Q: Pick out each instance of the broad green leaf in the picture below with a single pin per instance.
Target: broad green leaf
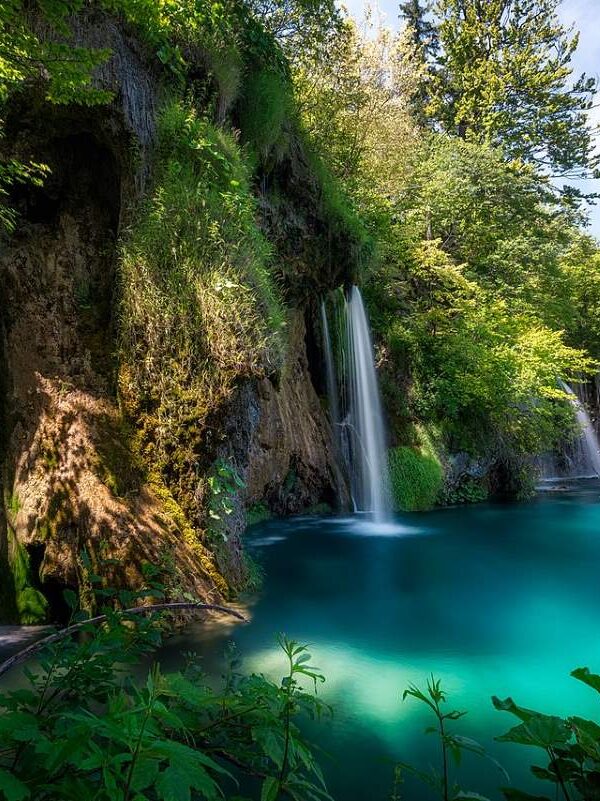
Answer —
(20, 726)
(144, 774)
(588, 735)
(584, 675)
(508, 705)
(177, 781)
(11, 788)
(270, 789)
(541, 731)
(271, 743)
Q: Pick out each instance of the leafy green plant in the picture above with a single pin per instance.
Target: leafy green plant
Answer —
(264, 108)
(415, 477)
(224, 483)
(30, 605)
(257, 513)
(471, 490)
(83, 726)
(571, 745)
(453, 745)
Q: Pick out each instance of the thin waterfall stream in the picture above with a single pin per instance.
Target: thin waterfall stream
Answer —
(357, 414)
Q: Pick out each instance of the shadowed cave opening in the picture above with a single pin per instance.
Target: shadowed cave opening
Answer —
(51, 588)
(314, 352)
(83, 174)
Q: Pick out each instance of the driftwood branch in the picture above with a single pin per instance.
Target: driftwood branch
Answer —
(31, 650)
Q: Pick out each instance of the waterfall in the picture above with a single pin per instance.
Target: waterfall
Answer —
(354, 403)
(577, 459)
(589, 461)
(364, 419)
(331, 376)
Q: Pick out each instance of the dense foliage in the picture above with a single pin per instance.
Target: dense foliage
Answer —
(476, 290)
(86, 726)
(415, 475)
(500, 73)
(444, 139)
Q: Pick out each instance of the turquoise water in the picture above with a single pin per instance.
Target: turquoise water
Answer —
(500, 600)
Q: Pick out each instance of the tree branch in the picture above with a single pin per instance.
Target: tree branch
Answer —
(31, 650)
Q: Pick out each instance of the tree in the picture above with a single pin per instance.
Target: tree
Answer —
(503, 76)
(355, 102)
(420, 46)
(59, 70)
(421, 29)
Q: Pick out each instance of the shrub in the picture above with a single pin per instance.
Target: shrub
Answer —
(264, 107)
(571, 747)
(257, 513)
(31, 605)
(470, 490)
(416, 477)
(77, 727)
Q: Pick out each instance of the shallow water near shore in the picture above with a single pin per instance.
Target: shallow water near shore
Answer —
(492, 599)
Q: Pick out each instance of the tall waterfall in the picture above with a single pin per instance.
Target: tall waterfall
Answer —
(364, 420)
(588, 445)
(331, 376)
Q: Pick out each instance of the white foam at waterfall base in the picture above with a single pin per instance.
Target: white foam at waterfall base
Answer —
(369, 471)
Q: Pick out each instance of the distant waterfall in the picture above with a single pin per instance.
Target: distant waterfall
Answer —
(589, 446)
(364, 420)
(579, 458)
(331, 376)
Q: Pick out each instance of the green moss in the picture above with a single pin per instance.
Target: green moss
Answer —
(416, 476)
(265, 106)
(471, 490)
(31, 605)
(192, 537)
(58, 515)
(50, 454)
(116, 464)
(340, 216)
(254, 574)
(13, 505)
(258, 513)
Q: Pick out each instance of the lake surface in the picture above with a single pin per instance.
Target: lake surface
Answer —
(494, 600)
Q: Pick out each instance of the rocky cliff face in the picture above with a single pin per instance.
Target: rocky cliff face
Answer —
(70, 480)
(280, 441)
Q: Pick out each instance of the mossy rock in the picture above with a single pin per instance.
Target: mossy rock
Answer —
(32, 607)
(258, 513)
(416, 478)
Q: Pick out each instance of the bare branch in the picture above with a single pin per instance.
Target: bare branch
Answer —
(31, 650)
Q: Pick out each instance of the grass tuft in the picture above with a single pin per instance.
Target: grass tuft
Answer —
(199, 308)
